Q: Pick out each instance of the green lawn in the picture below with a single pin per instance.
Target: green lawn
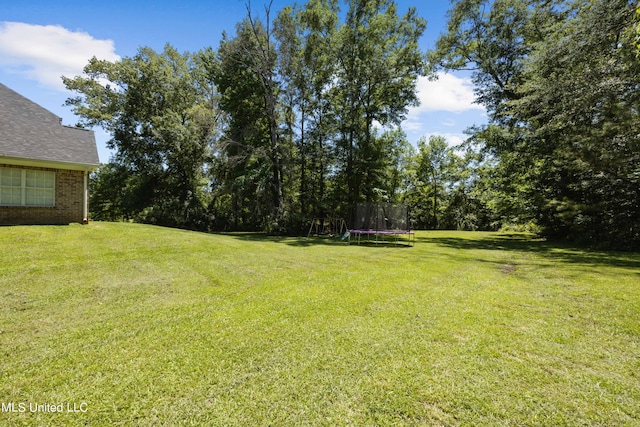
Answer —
(141, 325)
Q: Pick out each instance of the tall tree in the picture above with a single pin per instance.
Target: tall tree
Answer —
(265, 63)
(160, 112)
(307, 43)
(637, 38)
(252, 147)
(581, 104)
(559, 79)
(435, 171)
(490, 38)
(379, 63)
(396, 180)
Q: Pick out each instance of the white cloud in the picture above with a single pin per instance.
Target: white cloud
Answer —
(447, 102)
(447, 93)
(45, 53)
(412, 125)
(453, 139)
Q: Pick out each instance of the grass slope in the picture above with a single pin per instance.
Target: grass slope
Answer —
(141, 325)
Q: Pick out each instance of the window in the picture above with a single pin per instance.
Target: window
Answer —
(26, 187)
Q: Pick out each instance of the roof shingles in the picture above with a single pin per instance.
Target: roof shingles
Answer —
(29, 131)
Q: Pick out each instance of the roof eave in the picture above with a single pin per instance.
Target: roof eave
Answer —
(51, 164)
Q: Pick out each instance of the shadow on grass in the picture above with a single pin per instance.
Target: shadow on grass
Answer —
(301, 241)
(527, 243)
(482, 241)
(297, 241)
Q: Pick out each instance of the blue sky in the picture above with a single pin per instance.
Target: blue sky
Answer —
(42, 40)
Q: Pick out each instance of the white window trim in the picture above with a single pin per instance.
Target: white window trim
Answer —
(23, 190)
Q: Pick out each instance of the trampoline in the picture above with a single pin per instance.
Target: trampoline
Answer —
(381, 223)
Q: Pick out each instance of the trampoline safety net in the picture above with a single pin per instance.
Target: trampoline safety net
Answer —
(381, 216)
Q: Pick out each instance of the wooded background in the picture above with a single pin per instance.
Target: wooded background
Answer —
(299, 117)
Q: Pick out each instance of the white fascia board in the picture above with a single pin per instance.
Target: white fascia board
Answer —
(51, 164)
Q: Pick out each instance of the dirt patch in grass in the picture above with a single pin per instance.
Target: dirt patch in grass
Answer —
(508, 269)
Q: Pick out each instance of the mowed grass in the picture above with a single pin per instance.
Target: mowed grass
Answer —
(139, 325)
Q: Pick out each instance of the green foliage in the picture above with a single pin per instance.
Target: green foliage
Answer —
(118, 194)
(637, 38)
(591, 115)
(244, 159)
(299, 138)
(397, 173)
(300, 118)
(307, 43)
(436, 162)
(379, 63)
(448, 189)
(159, 110)
(491, 38)
(559, 80)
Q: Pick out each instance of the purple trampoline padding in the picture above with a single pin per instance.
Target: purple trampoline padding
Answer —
(381, 232)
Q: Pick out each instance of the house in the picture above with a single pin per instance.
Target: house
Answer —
(44, 166)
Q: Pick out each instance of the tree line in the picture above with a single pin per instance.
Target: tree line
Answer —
(299, 116)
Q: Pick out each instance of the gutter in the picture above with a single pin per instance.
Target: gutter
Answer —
(85, 204)
(51, 164)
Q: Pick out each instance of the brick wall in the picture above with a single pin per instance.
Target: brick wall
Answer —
(68, 202)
